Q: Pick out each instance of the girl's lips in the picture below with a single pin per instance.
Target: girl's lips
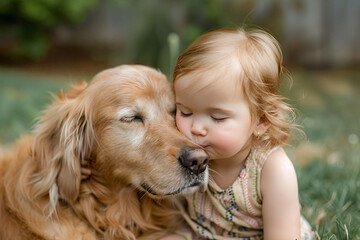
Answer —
(203, 146)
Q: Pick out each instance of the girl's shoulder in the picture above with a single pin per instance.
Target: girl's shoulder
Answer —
(259, 155)
(278, 172)
(278, 159)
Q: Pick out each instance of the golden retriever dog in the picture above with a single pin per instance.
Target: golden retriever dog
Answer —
(123, 124)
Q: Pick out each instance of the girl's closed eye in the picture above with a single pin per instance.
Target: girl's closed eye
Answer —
(219, 118)
(185, 114)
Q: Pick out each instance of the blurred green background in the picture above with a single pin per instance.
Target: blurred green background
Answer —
(47, 44)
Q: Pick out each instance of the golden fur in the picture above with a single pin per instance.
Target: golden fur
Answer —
(123, 124)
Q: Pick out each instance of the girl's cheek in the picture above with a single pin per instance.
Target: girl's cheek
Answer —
(181, 124)
(226, 141)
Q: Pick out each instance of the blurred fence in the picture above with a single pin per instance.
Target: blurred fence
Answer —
(313, 33)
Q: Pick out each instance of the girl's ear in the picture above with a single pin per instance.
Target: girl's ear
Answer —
(262, 127)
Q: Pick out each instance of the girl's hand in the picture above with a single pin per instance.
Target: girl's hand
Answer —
(85, 169)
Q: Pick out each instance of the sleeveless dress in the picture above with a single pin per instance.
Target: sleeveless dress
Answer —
(233, 213)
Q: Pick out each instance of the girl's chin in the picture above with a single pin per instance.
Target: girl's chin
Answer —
(216, 154)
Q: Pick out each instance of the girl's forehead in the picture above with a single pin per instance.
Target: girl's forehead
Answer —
(211, 82)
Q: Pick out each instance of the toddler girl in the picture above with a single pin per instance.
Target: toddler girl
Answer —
(227, 96)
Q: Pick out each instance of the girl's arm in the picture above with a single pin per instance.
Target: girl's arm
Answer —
(279, 189)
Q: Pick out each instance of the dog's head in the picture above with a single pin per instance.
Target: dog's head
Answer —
(124, 122)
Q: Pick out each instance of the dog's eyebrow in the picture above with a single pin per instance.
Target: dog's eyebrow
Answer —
(124, 111)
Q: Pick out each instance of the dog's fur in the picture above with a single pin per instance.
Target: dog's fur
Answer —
(123, 124)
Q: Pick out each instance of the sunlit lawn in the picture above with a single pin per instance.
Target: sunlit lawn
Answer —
(327, 159)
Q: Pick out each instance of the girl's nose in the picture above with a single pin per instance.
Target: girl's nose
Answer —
(197, 128)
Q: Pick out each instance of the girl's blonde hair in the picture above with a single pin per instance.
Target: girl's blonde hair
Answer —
(254, 58)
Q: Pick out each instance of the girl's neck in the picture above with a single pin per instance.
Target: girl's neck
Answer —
(236, 160)
(225, 171)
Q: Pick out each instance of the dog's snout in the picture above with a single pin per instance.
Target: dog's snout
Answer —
(194, 159)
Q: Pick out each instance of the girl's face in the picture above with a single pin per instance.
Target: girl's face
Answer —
(217, 117)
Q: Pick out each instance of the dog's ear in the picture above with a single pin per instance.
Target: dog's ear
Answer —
(77, 139)
(74, 91)
(63, 137)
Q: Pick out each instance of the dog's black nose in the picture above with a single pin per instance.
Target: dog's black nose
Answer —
(194, 159)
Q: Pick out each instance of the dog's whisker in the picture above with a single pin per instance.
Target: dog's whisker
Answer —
(211, 179)
(214, 171)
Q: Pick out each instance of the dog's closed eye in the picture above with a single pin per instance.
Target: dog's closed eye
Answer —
(135, 118)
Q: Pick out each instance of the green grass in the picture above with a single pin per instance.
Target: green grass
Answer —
(327, 160)
(22, 98)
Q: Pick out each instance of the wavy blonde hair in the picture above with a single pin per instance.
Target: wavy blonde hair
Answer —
(254, 59)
